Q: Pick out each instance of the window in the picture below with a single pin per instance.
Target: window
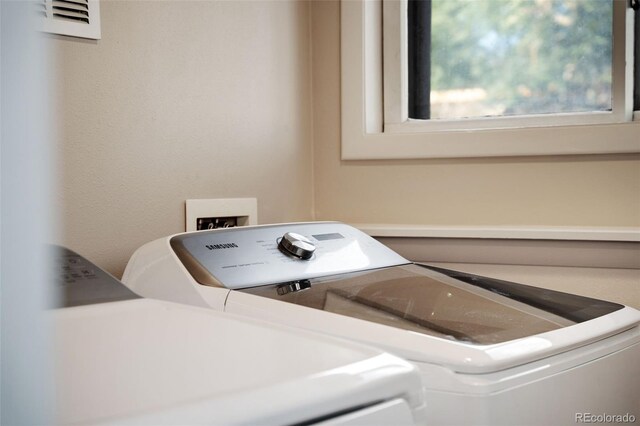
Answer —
(487, 97)
(491, 58)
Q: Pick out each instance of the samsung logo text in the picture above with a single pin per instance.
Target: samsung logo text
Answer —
(221, 246)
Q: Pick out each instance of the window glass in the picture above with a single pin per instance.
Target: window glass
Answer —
(519, 57)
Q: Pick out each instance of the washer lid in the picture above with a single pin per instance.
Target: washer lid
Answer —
(147, 361)
(442, 303)
(469, 323)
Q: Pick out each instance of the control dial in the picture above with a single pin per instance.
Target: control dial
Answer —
(296, 245)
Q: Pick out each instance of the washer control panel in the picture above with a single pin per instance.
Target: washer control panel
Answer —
(80, 282)
(262, 255)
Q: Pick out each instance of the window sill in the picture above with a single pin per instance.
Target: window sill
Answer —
(567, 140)
(503, 232)
(593, 247)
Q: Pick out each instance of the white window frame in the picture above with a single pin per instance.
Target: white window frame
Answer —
(373, 129)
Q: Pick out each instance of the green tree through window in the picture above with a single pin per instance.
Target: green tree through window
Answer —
(520, 57)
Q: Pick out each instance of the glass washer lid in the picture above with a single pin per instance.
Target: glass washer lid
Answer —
(442, 303)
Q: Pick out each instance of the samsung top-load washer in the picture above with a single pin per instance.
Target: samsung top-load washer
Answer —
(490, 352)
(122, 359)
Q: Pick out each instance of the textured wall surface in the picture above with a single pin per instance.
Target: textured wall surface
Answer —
(223, 99)
(178, 100)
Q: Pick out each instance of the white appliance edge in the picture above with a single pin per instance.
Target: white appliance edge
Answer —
(487, 382)
(148, 361)
(155, 271)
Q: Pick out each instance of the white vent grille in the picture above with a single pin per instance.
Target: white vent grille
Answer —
(41, 8)
(77, 18)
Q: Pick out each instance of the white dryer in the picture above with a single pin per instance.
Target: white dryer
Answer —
(121, 359)
(490, 352)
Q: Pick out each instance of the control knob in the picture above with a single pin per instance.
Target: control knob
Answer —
(296, 245)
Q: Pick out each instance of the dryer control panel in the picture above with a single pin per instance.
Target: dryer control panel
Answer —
(261, 255)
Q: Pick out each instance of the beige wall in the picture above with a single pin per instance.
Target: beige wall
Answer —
(181, 100)
(555, 191)
(203, 99)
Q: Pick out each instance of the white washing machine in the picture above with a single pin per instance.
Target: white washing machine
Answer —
(121, 359)
(490, 352)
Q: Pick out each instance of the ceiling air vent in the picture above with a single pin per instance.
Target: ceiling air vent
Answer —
(76, 18)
